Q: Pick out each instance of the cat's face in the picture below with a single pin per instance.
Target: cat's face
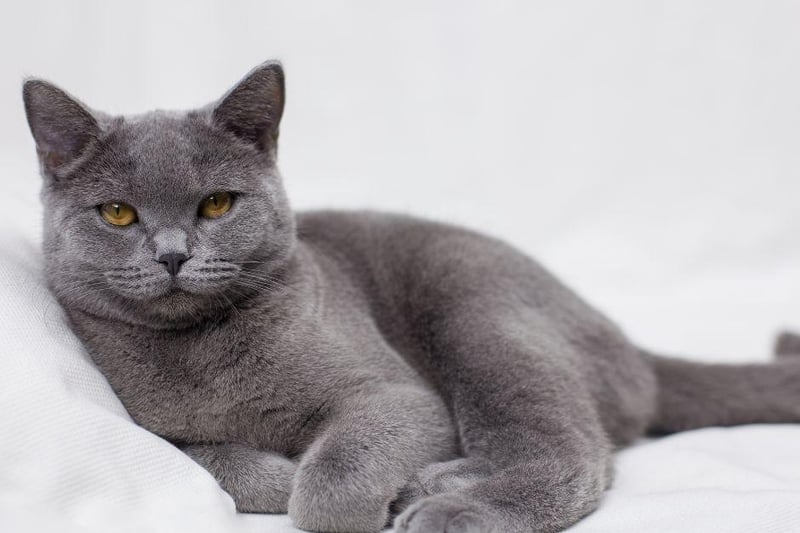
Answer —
(163, 218)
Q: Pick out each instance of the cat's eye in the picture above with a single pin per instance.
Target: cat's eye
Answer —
(118, 214)
(216, 205)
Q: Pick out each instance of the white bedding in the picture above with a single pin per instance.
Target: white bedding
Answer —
(646, 152)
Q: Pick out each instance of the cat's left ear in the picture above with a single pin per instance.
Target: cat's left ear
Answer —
(252, 109)
(63, 128)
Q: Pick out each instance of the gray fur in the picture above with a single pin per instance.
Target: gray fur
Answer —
(347, 366)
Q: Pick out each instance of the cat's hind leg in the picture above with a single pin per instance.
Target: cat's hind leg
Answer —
(536, 458)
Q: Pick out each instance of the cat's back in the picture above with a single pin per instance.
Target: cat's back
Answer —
(410, 268)
(389, 251)
(395, 241)
(393, 257)
(356, 228)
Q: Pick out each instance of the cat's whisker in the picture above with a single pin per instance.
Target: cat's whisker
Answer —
(265, 278)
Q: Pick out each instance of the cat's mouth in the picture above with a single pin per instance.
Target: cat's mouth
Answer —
(155, 287)
(180, 288)
(188, 293)
(175, 295)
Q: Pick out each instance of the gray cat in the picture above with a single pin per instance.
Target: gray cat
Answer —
(346, 367)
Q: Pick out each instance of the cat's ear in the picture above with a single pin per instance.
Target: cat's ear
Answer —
(62, 127)
(252, 109)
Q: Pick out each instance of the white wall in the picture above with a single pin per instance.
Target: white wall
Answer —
(646, 151)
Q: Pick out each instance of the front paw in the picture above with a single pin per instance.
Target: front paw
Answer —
(440, 477)
(338, 513)
(444, 513)
(328, 504)
(258, 482)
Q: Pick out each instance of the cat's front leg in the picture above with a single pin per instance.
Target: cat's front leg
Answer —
(258, 481)
(371, 446)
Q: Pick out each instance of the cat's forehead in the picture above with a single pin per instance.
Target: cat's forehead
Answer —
(158, 131)
(166, 157)
(163, 145)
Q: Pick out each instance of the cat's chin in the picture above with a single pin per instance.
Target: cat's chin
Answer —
(177, 298)
(167, 306)
(177, 307)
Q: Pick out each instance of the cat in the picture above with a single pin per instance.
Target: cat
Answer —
(346, 367)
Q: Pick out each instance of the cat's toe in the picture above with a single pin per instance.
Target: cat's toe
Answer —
(444, 513)
(438, 478)
(408, 495)
(452, 475)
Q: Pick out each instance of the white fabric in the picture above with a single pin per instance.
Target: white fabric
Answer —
(648, 156)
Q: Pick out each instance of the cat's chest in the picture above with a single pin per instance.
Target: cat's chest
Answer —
(218, 385)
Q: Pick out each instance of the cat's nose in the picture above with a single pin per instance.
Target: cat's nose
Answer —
(172, 262)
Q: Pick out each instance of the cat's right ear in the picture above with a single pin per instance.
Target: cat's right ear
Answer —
(252, 110)
(62, 127)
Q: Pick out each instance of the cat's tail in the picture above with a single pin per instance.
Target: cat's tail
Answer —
(693, 395)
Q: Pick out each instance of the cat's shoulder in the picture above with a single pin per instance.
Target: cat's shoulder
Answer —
(365, 224)
(363, 217)
(394, 238)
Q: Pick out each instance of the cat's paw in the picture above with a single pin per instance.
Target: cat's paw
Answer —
(443, 513)
(787, 344)
(438, 478)
(452, 475)
(258, 482)
(335, 509)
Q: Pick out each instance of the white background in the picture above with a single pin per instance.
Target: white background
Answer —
(646, 151)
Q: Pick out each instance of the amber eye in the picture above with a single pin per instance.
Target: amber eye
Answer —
(118, 214)
(216, 205)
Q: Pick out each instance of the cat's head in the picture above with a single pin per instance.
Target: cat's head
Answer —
(166, 217)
